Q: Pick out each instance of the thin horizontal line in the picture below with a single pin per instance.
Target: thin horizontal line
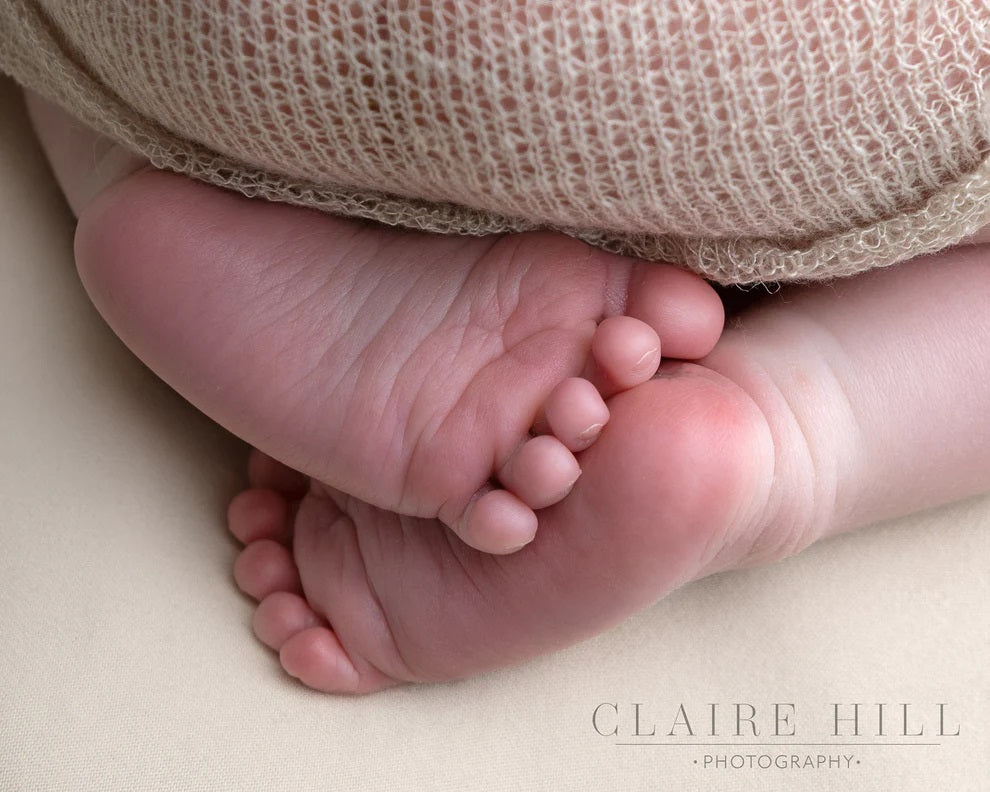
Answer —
(780, 745)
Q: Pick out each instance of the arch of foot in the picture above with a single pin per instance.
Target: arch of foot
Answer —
(760, 119)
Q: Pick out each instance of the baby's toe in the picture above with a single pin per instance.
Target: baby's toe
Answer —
(316, 658)
(260, 514)
(496, 521)
(626, 353)
(281, 615)
(264, 567)
(576, 413)
(681, 307)
(541, 472)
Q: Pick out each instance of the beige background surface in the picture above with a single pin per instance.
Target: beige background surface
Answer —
(126, 660)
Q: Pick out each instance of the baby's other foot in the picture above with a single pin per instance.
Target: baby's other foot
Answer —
(407, 369)
(355, 599)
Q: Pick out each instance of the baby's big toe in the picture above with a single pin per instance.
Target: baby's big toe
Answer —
(683, 309)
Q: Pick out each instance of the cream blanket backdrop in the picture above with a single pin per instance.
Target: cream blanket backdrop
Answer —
(126, 660)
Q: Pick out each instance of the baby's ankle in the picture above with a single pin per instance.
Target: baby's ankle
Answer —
(818, 461)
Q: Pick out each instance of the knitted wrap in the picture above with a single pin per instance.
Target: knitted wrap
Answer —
(748, 140)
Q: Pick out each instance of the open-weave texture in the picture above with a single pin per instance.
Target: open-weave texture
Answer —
(749, 140)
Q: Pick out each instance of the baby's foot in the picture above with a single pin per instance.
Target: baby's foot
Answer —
(355, 598)
(812, 415)
(406, 369)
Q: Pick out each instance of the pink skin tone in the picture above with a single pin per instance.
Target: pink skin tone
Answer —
(819, 409)
(421, 345)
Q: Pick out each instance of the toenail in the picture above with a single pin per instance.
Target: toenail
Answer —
(651, 355)
(590, 433)
(566, 490)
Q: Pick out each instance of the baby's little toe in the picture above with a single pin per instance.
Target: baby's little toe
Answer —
(626, 353)
(576, 413)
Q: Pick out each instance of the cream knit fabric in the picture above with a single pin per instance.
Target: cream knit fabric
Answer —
(749, 140)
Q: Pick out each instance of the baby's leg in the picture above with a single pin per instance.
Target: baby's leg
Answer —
(882, 381)
(824, 409)
(406, 369)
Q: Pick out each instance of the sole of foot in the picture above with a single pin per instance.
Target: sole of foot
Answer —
(439, 377)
